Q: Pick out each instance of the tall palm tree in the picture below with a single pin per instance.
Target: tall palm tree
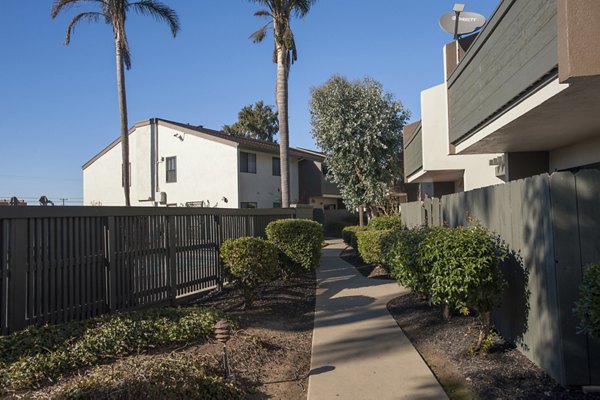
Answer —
(280, 13)
(114, 13)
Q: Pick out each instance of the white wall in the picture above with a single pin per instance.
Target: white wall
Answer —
(262, 187)
(576, 155)
(206, 171)
(434, 113)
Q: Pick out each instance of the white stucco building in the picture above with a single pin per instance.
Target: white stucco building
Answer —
(177, 164)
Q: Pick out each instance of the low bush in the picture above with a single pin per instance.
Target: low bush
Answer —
(385, 222)
(39, 354)
(587, 308)
(401, 252)
(299, 242)
(465, 270)
(250, 261)
(349, 235)
(176, 376)
(371, 245)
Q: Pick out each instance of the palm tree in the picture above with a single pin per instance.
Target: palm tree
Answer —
(280, 13)
(114, 13)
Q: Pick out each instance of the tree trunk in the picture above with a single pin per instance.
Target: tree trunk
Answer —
(282, 108)
(124, 128)
(486, 322)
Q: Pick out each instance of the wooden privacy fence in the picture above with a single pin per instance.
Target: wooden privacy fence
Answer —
(71, 263)
(551, 224)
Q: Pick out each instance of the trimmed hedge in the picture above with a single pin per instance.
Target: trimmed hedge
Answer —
(299, 242)
(251, 261)
(371, 245)
(464, 267)
(39, 354)
(385, 222)
(401, 250)
(349, 235)
(587, 308)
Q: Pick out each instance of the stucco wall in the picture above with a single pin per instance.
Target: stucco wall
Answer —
(262, 187)
(477, 171)
(206, 171)
(579, 154)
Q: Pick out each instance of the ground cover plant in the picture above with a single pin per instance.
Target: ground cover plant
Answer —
(299, 242)
(250, 261)
(587, 308)
(38, 355)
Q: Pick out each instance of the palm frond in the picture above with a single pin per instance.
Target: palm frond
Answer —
(260, 34)
(301, 7)
(60, 5)
(159, 11)
(262, 13)
(85, 16)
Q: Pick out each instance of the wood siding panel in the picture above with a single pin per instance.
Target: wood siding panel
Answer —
(517, 48)
(413, 154)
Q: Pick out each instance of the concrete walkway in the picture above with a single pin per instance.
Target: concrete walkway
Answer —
(359, 352)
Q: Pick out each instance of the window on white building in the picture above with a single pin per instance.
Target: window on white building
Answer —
(247, 162)
(276, 166)
(171, 167)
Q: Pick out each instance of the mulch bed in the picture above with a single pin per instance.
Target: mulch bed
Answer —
(503, 373)
(270, 353)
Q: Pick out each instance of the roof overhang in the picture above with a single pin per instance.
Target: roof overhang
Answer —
(556, 115)
(424, 176)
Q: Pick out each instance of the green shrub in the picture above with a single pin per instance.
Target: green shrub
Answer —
(401, 251)
(465, 270)
(38, 354)
(250, 261)
(385, 222)
(349, 235)
(299, 242)
(176, 376)
(587, 308)
(370, 245)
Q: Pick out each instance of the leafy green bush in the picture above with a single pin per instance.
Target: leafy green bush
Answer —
(299, 242)
(37, 354)
(176, 376)
(401, 252)
(465, 270)
(385, 222)
(587, 308)
(250, 261)
(370, 245)
(349, 235)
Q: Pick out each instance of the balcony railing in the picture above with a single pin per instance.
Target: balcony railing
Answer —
(413, 152)
(515, 53)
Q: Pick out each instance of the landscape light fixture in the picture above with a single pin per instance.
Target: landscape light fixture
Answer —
(458, 8)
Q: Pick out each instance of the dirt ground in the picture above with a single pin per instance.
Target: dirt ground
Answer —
(270, 353)
(504, 373)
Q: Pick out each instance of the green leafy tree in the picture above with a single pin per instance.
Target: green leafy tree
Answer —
(359, 128)
(255, 121)
(280, 12)
(114, 13)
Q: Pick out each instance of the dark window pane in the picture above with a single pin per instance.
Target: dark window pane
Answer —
(246, 204)
(171, 167)
(276, 167)
(247, 162)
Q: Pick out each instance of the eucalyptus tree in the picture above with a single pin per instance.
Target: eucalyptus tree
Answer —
(359, 127)
(114, 13)
(280, 13)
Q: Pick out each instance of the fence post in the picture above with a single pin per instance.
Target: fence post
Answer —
(17, 278)
(111, 265)
(172, 258)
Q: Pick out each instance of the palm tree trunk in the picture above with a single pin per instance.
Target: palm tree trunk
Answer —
(282, 108)
(124, 128)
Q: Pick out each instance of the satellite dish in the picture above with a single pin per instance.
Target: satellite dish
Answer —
(467, 22)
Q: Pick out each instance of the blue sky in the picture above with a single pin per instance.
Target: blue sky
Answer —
(59, 103)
